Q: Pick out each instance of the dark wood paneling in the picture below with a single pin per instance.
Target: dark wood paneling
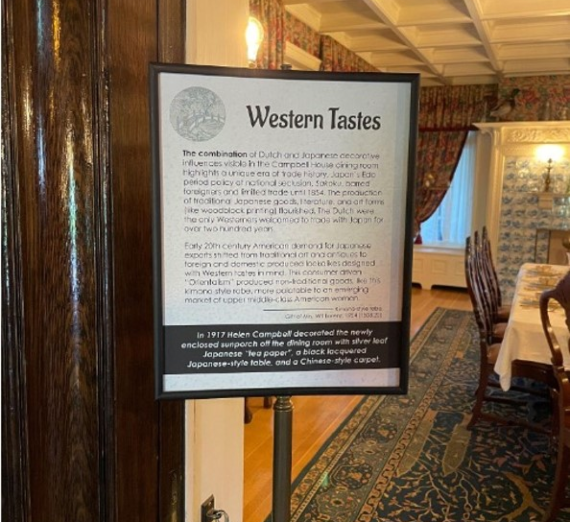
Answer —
(104, 264)
(137, 429)
(171, 31)
(15, 500)
(172, 25)
(52, 107)
(86, 441)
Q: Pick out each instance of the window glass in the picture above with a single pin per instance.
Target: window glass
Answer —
(450, 224)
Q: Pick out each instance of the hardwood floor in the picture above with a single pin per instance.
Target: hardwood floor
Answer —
(315, 418)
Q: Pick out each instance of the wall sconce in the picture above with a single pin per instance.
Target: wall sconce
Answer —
(548, 154)
(253, 38)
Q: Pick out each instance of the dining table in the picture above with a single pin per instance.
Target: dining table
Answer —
(524, 337)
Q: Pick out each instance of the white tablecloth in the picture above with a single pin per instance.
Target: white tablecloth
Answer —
(524, 336)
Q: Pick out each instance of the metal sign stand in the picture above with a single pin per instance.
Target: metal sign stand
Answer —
(282, 448)
(173, 360)
(282, 458)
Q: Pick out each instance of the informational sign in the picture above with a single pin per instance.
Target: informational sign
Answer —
(282, 230)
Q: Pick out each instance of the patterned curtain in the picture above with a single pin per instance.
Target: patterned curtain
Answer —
(301, 35)
(270, 13)
(336, 57)
(280, 27)
(446, 115)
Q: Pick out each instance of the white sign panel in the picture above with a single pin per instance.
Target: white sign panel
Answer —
(282, 230)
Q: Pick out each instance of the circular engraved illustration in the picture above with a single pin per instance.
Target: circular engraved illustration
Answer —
(197, 114)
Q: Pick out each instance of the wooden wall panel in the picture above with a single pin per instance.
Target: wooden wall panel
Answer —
(132, 256)
(55, 179)
(85, 439)
(171, 45)
(15, 500)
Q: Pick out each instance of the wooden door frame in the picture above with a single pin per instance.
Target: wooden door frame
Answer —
(76, 322)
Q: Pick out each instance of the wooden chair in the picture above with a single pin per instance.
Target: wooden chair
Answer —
(483, 280)
(489, 351)
(560, 294)
(502, 311)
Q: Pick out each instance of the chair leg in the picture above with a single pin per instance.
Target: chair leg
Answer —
(479, 398)
(558, 497)
(247, 415)
(476, 412)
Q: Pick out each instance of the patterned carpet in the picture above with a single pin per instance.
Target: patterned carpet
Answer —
(411, 458)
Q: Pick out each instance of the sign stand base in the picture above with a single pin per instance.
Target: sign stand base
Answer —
(282, 458)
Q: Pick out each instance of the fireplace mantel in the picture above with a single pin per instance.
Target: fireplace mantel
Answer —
(519, 138)
(512, 139)
(500, 144)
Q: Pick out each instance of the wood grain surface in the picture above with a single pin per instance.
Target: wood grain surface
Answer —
(83, 437)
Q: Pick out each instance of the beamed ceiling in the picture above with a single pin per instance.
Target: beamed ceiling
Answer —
(449, 42)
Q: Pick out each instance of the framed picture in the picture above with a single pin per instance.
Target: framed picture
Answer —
(283, 207)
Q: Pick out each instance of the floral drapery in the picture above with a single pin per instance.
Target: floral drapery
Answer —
(446, 114)
(270, 14)
(301, 35)
(437, 157)
(280, 27)
(336, 57)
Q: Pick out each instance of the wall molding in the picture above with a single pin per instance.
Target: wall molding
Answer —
(300, 59)
(514, 138)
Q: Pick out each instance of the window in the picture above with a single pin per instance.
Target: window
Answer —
(450, 224)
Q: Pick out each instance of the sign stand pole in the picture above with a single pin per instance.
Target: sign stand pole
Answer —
(282, 446)
(282, 458)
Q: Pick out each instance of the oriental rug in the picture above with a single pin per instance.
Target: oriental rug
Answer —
(411, 458)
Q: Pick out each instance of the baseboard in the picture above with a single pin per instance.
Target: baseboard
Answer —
(435, 266)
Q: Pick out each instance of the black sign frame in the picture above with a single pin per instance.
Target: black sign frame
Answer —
(402, 328)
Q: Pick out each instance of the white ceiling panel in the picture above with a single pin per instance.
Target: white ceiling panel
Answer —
(448, 42)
